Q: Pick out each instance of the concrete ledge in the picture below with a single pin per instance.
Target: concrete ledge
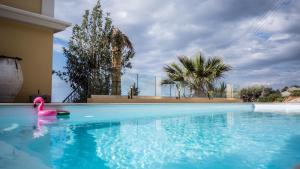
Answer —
(277, 107)
(142, 99)
(125, 100)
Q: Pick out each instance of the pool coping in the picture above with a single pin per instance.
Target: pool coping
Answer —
(284, 108)
(71, 104)
(75, 104)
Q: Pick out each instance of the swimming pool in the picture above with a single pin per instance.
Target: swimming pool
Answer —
(153, 136)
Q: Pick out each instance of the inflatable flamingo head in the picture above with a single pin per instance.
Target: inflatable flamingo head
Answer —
(37, 100)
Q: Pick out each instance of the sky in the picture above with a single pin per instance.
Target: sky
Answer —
(260, 39)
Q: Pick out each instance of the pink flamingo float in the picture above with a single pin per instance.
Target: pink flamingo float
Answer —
(45, 112)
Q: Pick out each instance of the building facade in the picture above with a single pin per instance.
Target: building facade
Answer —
(26, 31)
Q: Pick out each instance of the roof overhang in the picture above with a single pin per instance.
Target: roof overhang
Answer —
(32, 18)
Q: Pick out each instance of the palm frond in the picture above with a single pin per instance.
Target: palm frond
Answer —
(187, 63)
(167, 82)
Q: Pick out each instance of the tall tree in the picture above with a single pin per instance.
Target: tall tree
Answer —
(90, 56)
(199, 73)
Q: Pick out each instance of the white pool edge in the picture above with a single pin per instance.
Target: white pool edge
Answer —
(285, 108)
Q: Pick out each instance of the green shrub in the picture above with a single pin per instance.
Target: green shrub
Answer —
(260, 94)
(279, 99)
(295, 93)
(273, 97)
(251, 94)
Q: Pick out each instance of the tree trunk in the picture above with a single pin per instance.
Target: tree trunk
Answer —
(200, 92)
(116, 71)
(197, 92)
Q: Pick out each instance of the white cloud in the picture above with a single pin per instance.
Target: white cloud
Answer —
(122, 15)
(279, 37)
(58, 47)
(159, 32)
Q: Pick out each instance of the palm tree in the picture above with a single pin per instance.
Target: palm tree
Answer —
(122, 51)
(200, 74)
(175, 77)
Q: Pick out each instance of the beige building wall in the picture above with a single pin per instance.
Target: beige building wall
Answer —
(34, 45)
(27, 5)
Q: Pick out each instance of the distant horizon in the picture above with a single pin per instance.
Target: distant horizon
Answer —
(259, 39)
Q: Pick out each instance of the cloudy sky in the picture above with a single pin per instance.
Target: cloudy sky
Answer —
(259, 38)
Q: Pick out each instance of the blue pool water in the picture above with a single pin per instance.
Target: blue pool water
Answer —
(152, 136)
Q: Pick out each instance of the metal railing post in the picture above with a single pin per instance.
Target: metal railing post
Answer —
(137, 81)
(155, 84)
(170, 90)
